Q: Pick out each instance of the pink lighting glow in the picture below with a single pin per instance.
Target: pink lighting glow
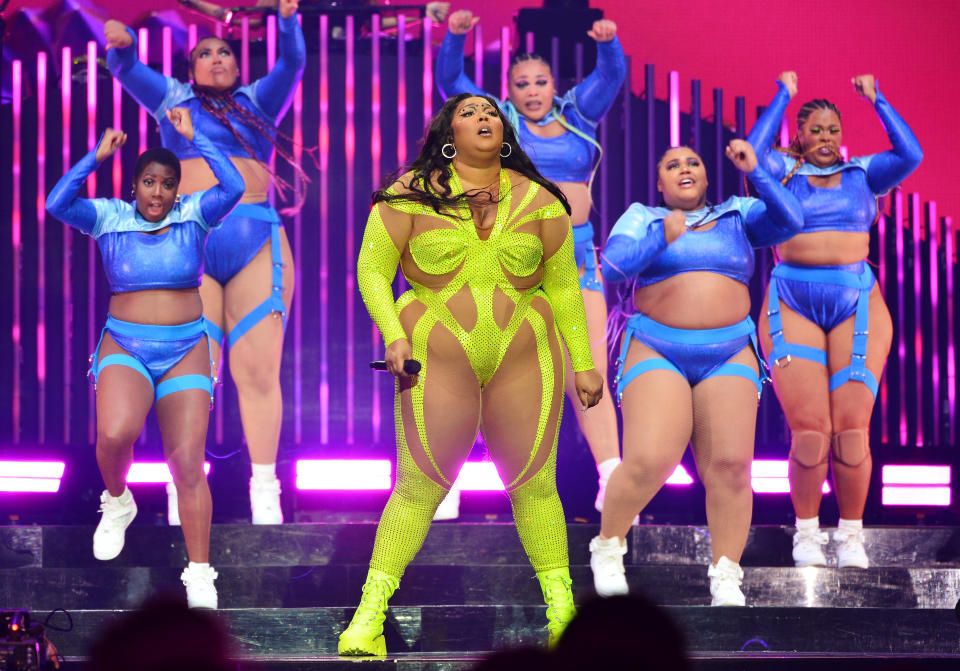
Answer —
(916, 496)
(67, 244)
(143, 39)
(896, 474)
(337, 474)
(42, 246)
(15, 234)
(504, 61)
(679, 477)
(350, 245)
(31, 476)
(37, 485)
(916, 227)
(478, 55)
(324, 143)
(934, 334)
(770, 476)
(480, 476)
(153, 472)
(674, 108)
(950, 254)
(91, 245)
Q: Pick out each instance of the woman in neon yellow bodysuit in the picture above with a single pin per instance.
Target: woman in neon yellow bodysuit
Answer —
(487, 246)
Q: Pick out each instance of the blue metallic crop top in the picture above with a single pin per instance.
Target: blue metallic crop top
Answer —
(268, 98)
(570, 156)
(851, 206)
(637, 247)
(139, 254)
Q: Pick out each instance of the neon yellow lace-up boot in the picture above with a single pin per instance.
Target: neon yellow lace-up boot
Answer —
(364, 635)
(555, 584)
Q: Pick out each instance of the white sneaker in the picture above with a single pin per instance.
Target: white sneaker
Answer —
(725, 580)
(265, 502)
(601, 493)
(808, 548)
(850, 553)
(173, 506)
(449, 508)
(118, 513)
(606, 562)
(199, 583)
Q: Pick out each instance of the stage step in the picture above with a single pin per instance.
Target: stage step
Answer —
(455, 544)
(118, 587)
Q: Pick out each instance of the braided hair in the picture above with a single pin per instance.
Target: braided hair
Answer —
(222, 104)
(794, 149)
(431, 166)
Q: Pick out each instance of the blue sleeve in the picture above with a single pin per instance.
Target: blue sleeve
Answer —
(147, 86)
(634, 243)
(765, 131)
(63, 203)
(889, 168)
(216, 202)
(777, 215)
(274, 91)
(451, 79)
(596, 93)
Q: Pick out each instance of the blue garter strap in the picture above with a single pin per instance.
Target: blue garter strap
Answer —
(783, 351)
(584, 252)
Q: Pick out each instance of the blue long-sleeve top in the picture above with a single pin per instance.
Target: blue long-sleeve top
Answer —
(171, 259)
(268, 98)
(570, 156)
(852, 205)
(637, 247)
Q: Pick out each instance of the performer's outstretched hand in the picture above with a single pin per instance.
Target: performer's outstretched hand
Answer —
(437, 11)
(789, 79)
(112, 140)
(741, 153)
(866, 86)
(461, 21)
(288, 8)
(589, 384)
(603, 30)
(116, 35)
(181, 120)
(674, 225)
(396, 355)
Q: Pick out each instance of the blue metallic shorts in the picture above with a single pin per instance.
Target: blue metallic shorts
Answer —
(152, 350)
(696, 354)
(825, 304)
(585, 254)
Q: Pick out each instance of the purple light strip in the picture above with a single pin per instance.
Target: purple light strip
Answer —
(784, 132)
(916, 474)
(297, 264)
(504, 61)
(166, 39)
(901, 321)
(191, 36)
(950, 254)
(934, 316)
(91, 244)
(916, 226)
(674, 108)
(915, 496)
(32, 469)
(530, 45)
(67, 245)
(17, 244)
(245, 49)
(478, 55)
(376, 154)
(350, 276)
(324, 143)
(143, 37)
(35, 485)
(271, 62)
(42, 246)
(882, 277)
(427, 73)
(401, 90)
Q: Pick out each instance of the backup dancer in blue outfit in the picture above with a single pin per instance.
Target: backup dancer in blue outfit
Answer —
(689, 366)
(154, 347)
(559, 136)
(249, 267)
(826, 330)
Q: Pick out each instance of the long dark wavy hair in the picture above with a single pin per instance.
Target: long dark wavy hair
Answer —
(431, 163)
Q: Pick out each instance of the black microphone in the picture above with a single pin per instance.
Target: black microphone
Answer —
(410, 366)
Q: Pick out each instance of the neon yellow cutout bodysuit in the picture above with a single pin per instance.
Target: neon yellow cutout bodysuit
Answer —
(484, 318)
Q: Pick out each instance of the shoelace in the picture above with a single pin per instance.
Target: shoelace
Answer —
(559, 598)
(373, 603)
(818, 537)
(849, 540)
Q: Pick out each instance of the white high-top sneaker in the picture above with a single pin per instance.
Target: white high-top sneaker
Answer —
(118, 513)
(198, 580)
(449, 508)
(808, 547)
(850, 551)
(173, 505)
(725, 580)
(265, 502)
(606, 562)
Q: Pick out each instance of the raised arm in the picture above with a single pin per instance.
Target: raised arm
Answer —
(777, 215)
(595, 94)
(148, 87)
(451, 79)
(765, 131)
(889, 168)
(274, 91)
(385, 236)
(63, 202)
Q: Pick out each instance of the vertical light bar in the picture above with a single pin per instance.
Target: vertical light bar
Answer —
(504, 61)
(950, 253)
(478, 56)
(901, 321)
(17, 243)
(530, 46)
(66, 63)
(674, 108)
(555, 53)
(934, 317)
(916, 226)
(191, 36)
(166, 40)
(116, 165)
(91, 244)
(577, 61)
(882, 277)
(401, 90)
(298, 264)
(695, 115)
(651, 104)
(245, 49)
(784, 132)
(324, 143)
(427, 73)
(376, 153)
(271, 62)
(143, 38)
(350, 279)
(42, 247)
(718, 142)
(627, 137)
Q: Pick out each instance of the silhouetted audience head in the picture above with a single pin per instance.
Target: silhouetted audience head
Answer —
(163, 635)
(518, 659)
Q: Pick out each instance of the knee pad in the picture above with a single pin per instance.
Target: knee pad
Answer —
(809, 449)
(852, 447)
